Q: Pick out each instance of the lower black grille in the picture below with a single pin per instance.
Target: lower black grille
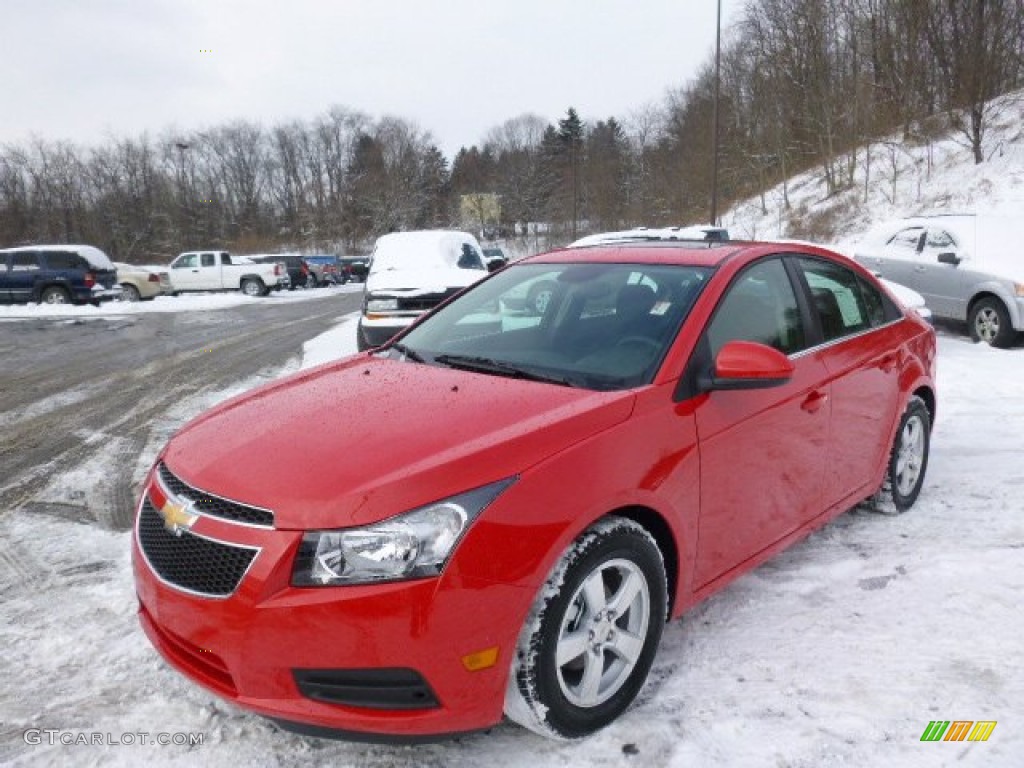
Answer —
(191, 562)
(425, 301)
(208, 504)
(373, 688)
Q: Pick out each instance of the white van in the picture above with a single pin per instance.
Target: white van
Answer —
(412, 272)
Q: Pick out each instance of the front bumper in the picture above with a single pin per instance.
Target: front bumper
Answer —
(249, 645)
(378, 329)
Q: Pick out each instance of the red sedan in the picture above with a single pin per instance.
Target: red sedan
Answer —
(512, 502)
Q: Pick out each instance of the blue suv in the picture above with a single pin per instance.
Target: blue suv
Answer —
(57, 274)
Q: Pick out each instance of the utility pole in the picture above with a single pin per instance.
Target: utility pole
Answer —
(181, 146)
(714, 127)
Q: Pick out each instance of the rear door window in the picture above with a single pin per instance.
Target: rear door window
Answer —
(64, 260)
(24, 262)
(844, 302)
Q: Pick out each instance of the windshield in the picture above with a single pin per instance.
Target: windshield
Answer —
(597, 326)
(425, 250)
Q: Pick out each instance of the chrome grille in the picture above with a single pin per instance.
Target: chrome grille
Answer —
(191, 562)
(208, 504)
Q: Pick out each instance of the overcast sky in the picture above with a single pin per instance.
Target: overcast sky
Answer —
(83, 70)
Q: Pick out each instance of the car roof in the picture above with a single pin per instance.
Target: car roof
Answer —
(683, 252)
(90, 253)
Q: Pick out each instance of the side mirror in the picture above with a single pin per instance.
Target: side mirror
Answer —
(493, 265)
(747, 365)
(949, 258)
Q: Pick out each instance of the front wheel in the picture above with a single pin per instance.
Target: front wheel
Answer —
(590, 639)
(990, 322)
(909, 458)
(539, 296)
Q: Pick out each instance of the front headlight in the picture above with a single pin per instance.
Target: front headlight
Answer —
(412, 545)
(381, 305)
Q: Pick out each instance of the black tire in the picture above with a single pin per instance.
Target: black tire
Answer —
(130, 292)
(555, 698)
(909, 458)
(989, 321)
(253, 287)
(539, 296)
(54, 294)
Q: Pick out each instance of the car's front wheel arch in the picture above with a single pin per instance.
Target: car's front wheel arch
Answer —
(656, 525)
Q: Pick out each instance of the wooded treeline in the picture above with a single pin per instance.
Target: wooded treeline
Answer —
(804, 84)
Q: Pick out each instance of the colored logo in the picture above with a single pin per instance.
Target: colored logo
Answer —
(177, 517)
(958, 730)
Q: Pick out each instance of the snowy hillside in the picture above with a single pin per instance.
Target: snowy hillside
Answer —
(902, 178)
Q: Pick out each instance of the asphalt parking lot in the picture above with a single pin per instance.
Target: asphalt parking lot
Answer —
(70, 384)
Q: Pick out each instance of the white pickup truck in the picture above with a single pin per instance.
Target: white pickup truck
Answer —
(220, 271)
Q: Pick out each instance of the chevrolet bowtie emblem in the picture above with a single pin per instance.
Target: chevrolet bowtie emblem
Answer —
(177, 517)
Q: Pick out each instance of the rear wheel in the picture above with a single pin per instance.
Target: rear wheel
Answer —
(130, 292)
(589, 641)
(990, 322)
(54, 294)
(253, 287)
(909, 458)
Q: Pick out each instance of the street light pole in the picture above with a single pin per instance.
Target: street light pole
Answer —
(185, 208)
(714, 127)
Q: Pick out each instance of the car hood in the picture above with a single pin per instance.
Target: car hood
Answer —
(411, 282)
(362, 440)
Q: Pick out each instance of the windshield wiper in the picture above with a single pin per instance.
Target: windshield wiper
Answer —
(408, 352)
(500, 368)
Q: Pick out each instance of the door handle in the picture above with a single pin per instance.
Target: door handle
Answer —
(813, 402)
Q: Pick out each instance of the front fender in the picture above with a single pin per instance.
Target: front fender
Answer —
(1005, 295)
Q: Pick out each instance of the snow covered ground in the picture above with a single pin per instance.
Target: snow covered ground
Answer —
(837, 653)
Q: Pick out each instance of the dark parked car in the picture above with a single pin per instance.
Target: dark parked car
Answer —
(57, 274)
(298, 270)
(354, 268)
(325, 268)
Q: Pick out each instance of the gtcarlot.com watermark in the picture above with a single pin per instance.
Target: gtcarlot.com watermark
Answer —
(56, 737)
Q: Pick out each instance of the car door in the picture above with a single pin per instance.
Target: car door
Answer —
(896, 259)
(185, 272)
(5, 278)
(762, 452)
(24, 272)
(941, 283)
(860, 347)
